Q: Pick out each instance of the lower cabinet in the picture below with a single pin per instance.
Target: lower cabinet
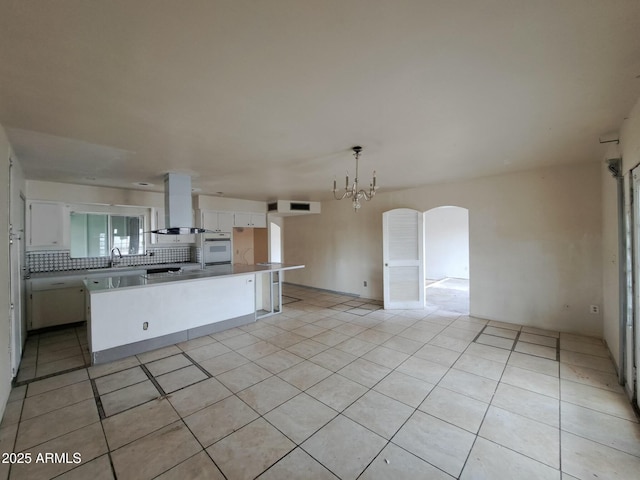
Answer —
(56, 306)
(61, 299)
(145, 315)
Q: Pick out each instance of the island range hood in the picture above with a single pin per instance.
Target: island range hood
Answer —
(177, 206)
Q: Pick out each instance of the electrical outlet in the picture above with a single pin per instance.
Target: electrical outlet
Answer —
(594, 309)
(365, 283)
(145, 325)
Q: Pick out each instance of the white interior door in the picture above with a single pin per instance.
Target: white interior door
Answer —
(403, 257)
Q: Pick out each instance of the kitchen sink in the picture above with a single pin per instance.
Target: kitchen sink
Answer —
(108, 272)
(164, 270)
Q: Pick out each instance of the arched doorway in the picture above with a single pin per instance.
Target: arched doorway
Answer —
(446, 247)
(426, 259)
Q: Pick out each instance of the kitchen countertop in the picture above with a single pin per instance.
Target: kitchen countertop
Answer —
(114, 270)
(119, 282)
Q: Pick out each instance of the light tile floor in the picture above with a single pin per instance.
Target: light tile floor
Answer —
(334, 387)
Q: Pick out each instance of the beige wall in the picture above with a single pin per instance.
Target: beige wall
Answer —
(208, 202)
(243, 246)
(446, 241)
(250, 245)
(534, 241)
(260, 245)
(5, 363)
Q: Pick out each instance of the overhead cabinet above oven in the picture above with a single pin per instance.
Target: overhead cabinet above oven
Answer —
(217, 221)
(253, 220)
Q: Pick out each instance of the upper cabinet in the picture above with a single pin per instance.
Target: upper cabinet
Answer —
(216, 221)
(254, 220)
(225, 221)
(47, 225)
(86, 230)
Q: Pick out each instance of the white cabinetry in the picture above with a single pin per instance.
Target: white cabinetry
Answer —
(254, 220)
(55, 301)
(61, 299)
(122, 316)
(47, 225)
(159, 222)
(217, 221)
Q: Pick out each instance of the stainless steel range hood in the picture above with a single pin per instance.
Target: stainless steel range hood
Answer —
(177, 206)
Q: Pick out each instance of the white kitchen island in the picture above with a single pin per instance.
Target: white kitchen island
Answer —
(131, 314)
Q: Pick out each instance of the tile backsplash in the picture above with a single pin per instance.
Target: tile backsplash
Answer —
(59, 260)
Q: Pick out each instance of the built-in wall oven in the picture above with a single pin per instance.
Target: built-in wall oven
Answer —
(217, 248)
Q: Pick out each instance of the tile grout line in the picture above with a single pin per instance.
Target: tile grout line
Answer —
(297, 445)
(503, 372)
(53, 374)
(515, 413)
(484, 417)
(15, 440)
(106, 441)
(559, 415)
(364, 427)
(153, 380)
(98, 400)
(341, 413)
(204, 449)
(197, 365)
(415, 409)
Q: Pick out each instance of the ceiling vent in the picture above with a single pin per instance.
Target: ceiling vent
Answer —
(287, 208)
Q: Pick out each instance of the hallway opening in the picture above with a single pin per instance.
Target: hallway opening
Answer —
(446, 247)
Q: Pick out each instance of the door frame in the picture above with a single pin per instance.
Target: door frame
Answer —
(17, 313)
(631, 346)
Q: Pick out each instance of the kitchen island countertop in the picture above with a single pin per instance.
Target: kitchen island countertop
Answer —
(111, 271)
(120, 282)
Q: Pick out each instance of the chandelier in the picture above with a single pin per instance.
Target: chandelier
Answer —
(352, 191)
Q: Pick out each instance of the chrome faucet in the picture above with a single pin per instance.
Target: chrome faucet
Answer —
(113, 250)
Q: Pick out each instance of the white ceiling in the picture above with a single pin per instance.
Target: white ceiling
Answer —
(264, 99)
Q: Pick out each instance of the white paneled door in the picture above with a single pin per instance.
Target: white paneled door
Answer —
(403, 259)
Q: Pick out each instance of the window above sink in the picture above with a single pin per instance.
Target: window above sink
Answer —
(95, 234)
